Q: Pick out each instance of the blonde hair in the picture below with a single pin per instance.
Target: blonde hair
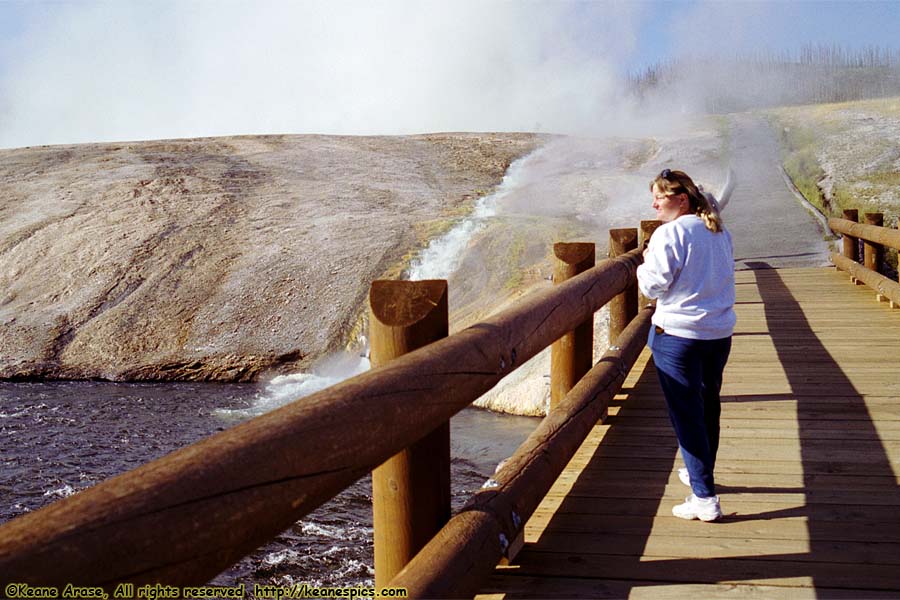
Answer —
(672, 183)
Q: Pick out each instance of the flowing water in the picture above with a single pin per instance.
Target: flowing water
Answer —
(59, 438)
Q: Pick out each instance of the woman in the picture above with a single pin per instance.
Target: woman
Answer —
(689, 269)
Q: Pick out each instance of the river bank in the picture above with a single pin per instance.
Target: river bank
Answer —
(217, 259)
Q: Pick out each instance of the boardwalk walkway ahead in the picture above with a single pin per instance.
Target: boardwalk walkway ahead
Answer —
(807, 471)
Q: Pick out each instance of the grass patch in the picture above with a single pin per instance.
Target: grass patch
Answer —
(513, 264)
(885, 178)
(889, 106)
(425, 231)
(637, 157)
(798, 146)
(396, 270)
(857, 140)
(723, 128)
(804, 170)
(856, 198)
(428, 230)
(844, 199)
(863, 192)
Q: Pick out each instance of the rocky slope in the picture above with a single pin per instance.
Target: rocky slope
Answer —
(219, 258)
(854, 153)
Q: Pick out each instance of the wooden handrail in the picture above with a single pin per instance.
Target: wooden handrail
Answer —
(875, 238)
(185, 517)
(872, 233)
(888, 288)
(465, 551)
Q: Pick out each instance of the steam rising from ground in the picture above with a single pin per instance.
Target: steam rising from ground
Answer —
(104, 71)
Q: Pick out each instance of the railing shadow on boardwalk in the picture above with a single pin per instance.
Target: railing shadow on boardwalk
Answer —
(849, 487)
(851, 495)
(607, 515)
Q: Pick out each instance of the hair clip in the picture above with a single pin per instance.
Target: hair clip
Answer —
(665, 173)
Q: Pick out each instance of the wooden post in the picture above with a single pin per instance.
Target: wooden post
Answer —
(624, 307)
(851, 244)
(646, 230)
(891, 302)
(411, 490)
(571, 355)
(873, 254)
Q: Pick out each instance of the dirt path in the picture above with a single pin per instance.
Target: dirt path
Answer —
(768, 224)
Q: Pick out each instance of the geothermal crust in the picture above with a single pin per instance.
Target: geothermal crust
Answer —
(220, 258)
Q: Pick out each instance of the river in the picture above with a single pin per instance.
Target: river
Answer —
(62, 437)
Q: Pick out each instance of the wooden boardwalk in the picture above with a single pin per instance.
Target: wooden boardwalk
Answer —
(807, 469)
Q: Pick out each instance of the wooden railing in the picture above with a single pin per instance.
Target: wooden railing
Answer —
(875, 237)
(187, 516)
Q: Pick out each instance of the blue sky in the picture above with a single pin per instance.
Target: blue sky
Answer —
(102, 70)
(782, 26)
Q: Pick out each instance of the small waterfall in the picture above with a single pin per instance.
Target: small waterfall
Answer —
(443, 255)
(438, 260)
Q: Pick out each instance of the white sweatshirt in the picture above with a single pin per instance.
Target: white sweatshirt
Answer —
(690, 271)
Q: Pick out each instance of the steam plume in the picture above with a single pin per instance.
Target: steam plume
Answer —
(102, 71)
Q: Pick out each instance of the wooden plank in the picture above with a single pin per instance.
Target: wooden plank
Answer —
(756, 570)
(627, 464)
(793, 496)
(821, 411)
(665, 542)
(728, 453)
(661, 422)
(508, 584)
(809, 443)
(798, 481)
(751, 506)
(784, 528)
(793, 408)
(834, 431)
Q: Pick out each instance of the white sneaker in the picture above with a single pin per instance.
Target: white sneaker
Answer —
(684, 476)
(705, 509)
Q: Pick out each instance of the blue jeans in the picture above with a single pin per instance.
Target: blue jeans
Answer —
(690, 373)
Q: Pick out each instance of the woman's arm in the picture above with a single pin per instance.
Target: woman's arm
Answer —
(662, 263)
